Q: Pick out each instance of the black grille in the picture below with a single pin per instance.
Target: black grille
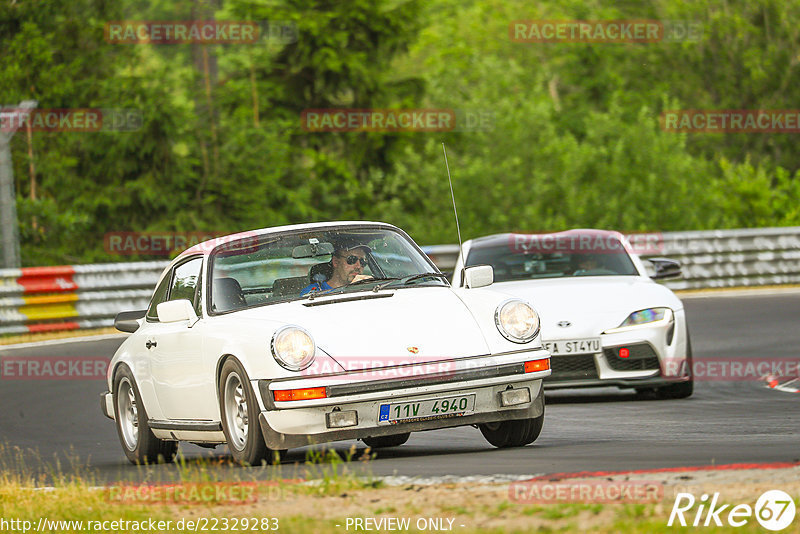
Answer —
(576, 367)
(641, 357)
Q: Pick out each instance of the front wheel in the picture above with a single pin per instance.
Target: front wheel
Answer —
(517, 433)
(138, 441)
(684, 389)
(681, 390)
(676, 391)
(239, 409)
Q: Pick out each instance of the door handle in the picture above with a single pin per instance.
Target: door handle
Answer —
(150, 344)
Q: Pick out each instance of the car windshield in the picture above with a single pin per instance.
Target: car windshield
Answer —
(309, 263)
(539, 258)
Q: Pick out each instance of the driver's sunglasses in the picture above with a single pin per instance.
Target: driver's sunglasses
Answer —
(352, 259)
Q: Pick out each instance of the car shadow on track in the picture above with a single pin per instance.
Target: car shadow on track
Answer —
(586, 396)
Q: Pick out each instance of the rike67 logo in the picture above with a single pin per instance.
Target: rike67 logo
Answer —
(774, 510)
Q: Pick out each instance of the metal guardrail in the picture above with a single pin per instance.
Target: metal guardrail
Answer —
(37, 299)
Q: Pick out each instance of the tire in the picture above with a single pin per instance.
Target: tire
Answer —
(516, 433)
(680, 390)
(684, 389)
(239, 412)
(137, 440)
(381, 442)
(676, 391)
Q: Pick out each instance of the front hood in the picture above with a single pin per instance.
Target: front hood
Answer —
(590, 304)
(410, 325)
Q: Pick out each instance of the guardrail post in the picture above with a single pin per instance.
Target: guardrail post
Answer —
(8, 198)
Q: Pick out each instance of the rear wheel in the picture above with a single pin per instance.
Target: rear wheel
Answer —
(138, 441)
(381, 442)
(239, 409)
(517, 433)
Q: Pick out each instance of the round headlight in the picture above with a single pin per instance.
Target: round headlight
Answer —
(293, 348)
(517, 321)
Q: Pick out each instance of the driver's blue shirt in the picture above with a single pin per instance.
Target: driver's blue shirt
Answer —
(320, 286)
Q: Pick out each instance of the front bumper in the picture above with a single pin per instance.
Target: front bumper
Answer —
(656, 357)
(107, 404)
(291, 424)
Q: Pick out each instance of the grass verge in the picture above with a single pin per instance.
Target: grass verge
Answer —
(325, 495)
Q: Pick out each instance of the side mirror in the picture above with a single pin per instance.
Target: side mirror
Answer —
(177, 310)
(665, 268)
(478, 276)
(128, 321)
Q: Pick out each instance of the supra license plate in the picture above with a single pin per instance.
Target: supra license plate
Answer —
(426, 409)
(572, 346)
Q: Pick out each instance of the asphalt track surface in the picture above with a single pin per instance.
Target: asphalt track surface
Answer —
(43, 421)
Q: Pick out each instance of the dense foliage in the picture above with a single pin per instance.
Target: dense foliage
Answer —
(574, 139)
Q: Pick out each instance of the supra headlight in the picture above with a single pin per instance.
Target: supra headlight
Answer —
(647, 317)
(293, 348)
(517, 321)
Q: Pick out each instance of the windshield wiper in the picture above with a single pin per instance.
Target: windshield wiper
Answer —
(313, 292)
(405, 280)
(341, 289)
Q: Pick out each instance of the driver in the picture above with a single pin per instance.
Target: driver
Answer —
(348, 264)
(587, 262)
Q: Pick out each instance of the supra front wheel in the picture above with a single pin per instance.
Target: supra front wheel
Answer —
(683, 389)
(138, 441)
(239, 410)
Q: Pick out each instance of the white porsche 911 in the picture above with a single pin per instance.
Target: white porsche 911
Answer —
(605, 321)
(289, 336)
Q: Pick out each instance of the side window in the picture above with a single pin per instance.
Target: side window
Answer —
(181, 283)
(159, 296)
(185, 280)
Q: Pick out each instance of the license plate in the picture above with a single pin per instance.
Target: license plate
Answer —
(425, 410)
(561, 347)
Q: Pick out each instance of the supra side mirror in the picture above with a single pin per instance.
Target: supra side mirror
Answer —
(128, 321)
(478, 276)
(177, 310)
(665, 268)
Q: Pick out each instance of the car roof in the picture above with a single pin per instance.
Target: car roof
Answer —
(503, 239)
(206, 247)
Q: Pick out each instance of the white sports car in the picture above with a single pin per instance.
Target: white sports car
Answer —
(605, 321)
(289, 336)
